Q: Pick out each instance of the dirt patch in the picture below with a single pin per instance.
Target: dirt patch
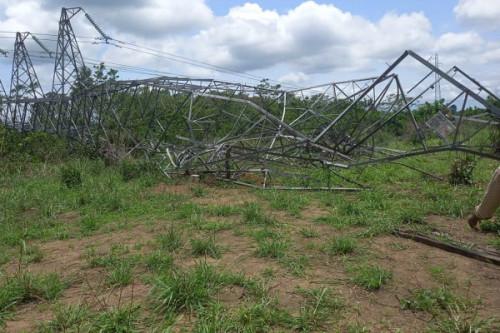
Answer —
(230, 196)
(460, 231)
(67, 257)
(174, 189)
(68, 217)
(412, 267)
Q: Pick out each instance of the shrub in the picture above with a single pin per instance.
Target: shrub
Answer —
(462, 171)
(132, 169)
(70, 176)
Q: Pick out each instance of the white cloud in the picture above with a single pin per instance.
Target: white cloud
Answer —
(294, 78)
(312, 37)
(480, 13)
(308, 43)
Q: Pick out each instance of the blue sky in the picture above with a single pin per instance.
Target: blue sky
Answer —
(295, 42)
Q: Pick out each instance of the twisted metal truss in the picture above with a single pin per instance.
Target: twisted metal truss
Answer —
(191, 125)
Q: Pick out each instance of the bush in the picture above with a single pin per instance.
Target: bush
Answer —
(462, 171)
(133, 169)
(70, 176)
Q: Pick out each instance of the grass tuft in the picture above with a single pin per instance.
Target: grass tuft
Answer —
(205, 247)
(341, 246)
(272, 248)
(253, 214)
(170, 241)
(321, 307)
(370, 277)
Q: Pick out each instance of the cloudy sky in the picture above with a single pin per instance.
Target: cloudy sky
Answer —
(295, 42)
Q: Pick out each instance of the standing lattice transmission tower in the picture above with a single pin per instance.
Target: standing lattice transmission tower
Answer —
(68, 58)
(23, 84)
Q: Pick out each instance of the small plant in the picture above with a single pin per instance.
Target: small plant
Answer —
(370, 277)
(341, 245)
(170, 241)
(272, 248)
(71, 176)
(462, 171)
(205, 247)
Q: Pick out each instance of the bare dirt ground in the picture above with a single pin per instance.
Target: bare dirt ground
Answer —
(411, 263)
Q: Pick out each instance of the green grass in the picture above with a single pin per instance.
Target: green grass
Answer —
(370, 277)
(188, 291)
(26, 287)
(198, 191)
(341, 246)
(67, 318)
(254, 214)
(309, 233)
(123, 319)
(291, 202)
(120, 274)
(205, 247)
(159, 261)
(295, 264)
(272, 248)
(223, 210)
(428, 300)
(490, 226)
(171, 240)
(450, 312)
(34, 201)
(496, 243)
(321, 308)
(30, 253)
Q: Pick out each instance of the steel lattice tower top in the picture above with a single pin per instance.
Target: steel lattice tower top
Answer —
(68, 58)
(24, 81)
